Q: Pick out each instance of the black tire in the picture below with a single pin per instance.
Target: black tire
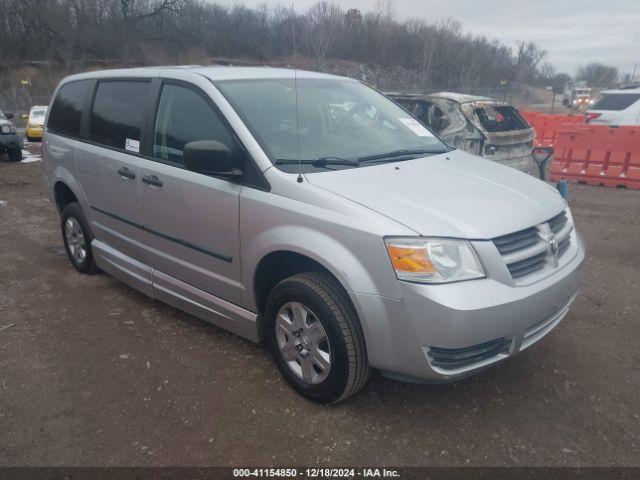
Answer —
(30, 139)
(87, 265)
(326, 298)
(15, 155)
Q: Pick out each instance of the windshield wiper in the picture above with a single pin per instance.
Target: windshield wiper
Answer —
(318, 162)
(398, 153)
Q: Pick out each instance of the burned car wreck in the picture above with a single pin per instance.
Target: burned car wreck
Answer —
(479, 125)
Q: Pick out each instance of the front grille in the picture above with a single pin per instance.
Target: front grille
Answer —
(557, 223)
(529, 250)
(528, 265)
(563, 245)
(455, 358)
(516, 241)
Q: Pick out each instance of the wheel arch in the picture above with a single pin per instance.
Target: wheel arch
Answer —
(64, 187)
(278, 265)
(63, 195)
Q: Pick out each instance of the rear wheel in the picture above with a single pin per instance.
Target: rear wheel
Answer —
(15, 155)
(315, 337)
(77, 239)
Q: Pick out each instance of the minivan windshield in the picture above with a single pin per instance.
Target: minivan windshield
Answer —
(339, 123)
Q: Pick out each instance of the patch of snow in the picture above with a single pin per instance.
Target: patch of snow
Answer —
(28, 157)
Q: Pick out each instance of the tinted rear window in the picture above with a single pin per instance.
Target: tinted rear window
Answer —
(616, 101)
(118, 112)
(66, 112)
(500, 119)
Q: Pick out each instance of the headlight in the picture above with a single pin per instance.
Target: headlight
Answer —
(433, 260)
(6, 129)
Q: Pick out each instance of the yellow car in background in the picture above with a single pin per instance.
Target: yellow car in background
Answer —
(35, 123)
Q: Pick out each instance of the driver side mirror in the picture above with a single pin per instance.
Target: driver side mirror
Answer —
(209, 157)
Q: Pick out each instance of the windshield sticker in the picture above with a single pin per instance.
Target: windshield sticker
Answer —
(416, 127)
(132, 145)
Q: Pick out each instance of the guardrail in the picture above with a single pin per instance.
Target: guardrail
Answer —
(597, 155)
(547, 124)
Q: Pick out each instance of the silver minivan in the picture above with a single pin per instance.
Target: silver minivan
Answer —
(310, 212)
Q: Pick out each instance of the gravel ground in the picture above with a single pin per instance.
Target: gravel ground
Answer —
(94, 373)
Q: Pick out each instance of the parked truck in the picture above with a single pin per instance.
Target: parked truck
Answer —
(576, 95)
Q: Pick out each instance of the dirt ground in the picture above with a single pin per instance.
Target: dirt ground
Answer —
(95, 373)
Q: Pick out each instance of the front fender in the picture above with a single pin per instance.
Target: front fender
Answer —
(325, 250)
(341, 261)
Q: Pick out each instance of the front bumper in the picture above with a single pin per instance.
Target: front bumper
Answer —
(433, 329)
(35, 132)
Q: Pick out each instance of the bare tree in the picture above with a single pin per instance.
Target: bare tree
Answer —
(441, 55)
(322, 22)
(528, 56)
(598, 75)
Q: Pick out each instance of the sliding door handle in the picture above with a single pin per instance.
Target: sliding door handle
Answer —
(124, 172)
(152, 180)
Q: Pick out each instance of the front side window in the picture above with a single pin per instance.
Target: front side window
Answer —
(117, 114)
(185, 116)
(66, 111)
(334, 119)
(428, 113)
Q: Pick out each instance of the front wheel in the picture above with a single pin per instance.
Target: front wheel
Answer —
(315, 337)
(77, 239)
(15, 155)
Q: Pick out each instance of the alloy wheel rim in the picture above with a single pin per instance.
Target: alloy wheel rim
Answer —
(75, 239)
(303, 342)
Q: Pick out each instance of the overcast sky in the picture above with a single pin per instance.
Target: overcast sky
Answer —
(574, 32)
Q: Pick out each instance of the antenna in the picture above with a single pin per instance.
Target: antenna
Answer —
(295, 89)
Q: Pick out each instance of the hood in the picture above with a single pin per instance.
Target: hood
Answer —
(448, 195)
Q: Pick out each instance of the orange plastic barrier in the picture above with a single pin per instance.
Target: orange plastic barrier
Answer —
(546, 125)
(597, 155)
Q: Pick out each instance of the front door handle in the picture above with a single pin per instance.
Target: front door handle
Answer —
(152, 180)
(126, 173)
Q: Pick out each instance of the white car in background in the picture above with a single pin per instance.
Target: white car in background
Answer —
(616, 107)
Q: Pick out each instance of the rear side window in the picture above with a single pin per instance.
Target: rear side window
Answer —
(66, 111)
(185, 116)
(616, 101)
(117, 114)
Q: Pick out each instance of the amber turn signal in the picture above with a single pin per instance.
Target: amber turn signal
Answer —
(411, 259)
